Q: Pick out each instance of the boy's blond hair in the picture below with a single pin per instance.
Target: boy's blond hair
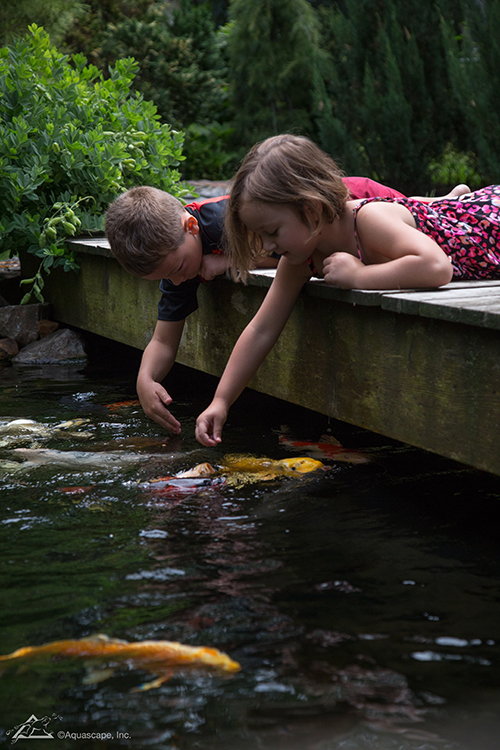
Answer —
(143, 225)
(284, 169)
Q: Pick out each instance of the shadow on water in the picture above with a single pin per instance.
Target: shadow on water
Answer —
(362, 604)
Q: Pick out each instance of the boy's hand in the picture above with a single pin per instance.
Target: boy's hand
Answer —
(210, 423)
(213, 265)
(341, 269)
(154, 400)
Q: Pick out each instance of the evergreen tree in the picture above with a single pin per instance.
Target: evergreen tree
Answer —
(180, 65)
(474, 61)
(274, 59)
(56, 17)
(385, 98)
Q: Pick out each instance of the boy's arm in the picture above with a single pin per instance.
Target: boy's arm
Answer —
(156, 363)
(396, 255)
(215, 264)
(252, 347)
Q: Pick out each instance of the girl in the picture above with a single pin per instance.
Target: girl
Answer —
(288, 198)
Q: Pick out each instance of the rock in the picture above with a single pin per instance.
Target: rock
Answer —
(20, 322)
(63, 346)
(8, 348)
(210, 188)
(46, 326)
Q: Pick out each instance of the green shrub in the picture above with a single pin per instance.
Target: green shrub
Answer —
(209, 153)
(454, 167)
(70, 142)
(181, 66)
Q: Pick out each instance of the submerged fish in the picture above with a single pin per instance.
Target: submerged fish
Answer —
(236, 470)
(288, 467)
(178, 487)
(327, 448)
(75, 490)
(77, 460)
(162, 658)
(18, 431)
(123, 404)
(200, 470)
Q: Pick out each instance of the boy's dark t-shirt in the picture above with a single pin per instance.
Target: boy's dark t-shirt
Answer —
(177, 302)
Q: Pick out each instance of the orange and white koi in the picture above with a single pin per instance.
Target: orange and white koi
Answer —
(327, 448)
(162, 658)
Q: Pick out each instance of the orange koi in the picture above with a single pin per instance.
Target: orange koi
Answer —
(327, 448)
(122, 404)
(157, 657)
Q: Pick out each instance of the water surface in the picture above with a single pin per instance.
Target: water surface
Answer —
(362, 605)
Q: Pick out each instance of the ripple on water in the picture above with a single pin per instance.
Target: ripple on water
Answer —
(364, 612)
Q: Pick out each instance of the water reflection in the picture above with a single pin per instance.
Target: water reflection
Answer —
(363, 610)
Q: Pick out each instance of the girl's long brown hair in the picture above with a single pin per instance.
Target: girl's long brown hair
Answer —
(284, 169)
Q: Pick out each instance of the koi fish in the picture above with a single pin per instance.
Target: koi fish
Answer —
(237, 470)
(328, 448)
(283, 467)
(177, 488)
(77, 460)
(123, 404)
(157, 657)
(18, 431)
(74, 490)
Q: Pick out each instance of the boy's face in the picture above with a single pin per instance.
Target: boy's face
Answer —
(185, 262)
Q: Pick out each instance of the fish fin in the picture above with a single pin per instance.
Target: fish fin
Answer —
(154, 683)
(94, 676)
(351, 458)
(330, 439)
(103, 638)
(70, 423)
(201, 470)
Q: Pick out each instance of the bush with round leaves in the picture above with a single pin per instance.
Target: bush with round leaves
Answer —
(70, 142)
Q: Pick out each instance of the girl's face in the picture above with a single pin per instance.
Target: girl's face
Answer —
(281, 229)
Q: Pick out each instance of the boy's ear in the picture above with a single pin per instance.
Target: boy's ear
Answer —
(191, 224)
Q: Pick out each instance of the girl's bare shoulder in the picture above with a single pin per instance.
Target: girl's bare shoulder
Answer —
(380, 211)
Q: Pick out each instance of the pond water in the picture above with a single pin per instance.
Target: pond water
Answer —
(362, 604)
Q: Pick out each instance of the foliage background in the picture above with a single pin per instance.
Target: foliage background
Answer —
(70, 141)
(397, 90)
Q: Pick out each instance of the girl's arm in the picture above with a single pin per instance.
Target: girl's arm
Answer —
(252, 347)
(395, 254)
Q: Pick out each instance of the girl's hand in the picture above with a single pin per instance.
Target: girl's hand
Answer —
(154, 400)
(210, 423)
(341, 269)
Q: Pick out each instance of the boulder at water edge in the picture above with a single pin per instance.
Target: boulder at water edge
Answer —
(63, 346)
(20, 322)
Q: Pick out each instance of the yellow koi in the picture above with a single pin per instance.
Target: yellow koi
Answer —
(283, 467)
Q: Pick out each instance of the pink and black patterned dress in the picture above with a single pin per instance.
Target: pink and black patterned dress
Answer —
(467, 229)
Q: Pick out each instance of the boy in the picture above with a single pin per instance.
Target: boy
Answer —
(154, 236)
